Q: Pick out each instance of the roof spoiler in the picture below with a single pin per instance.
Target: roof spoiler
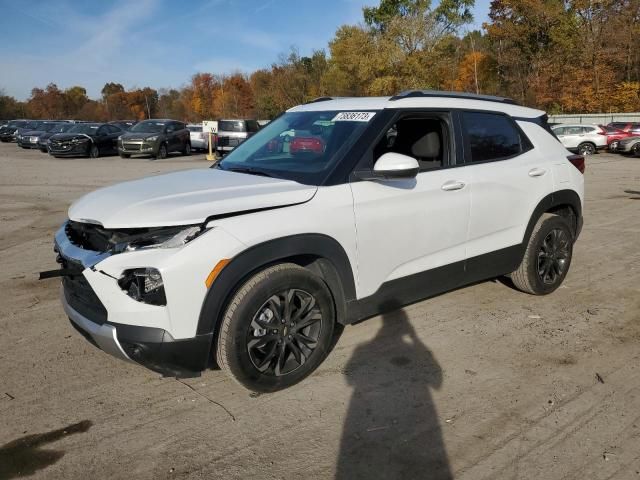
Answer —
(447, 94)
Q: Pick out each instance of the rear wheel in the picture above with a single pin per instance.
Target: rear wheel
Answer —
(586, 148)
(547, 257)
(277, 329)
(94, 151)
(636, 150)
(187, 149)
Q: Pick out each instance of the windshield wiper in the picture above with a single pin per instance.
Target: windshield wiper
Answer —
(249, 170)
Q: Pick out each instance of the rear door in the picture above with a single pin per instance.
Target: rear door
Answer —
(509, 178)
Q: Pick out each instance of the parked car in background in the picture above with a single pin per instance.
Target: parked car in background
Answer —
(199, 139)
(43, 138)
(155, 137)
(9, 131)
(629, 145)
(631, 127)
(30, 138)
(123, 124)
(85, 139)
(232, 133)
(614, 135)
(583, 139)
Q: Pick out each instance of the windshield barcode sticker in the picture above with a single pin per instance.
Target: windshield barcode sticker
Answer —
(353, 117)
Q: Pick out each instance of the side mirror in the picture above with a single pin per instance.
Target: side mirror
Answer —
(396, 165)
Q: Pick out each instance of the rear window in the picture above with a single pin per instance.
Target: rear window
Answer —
(231, 126)
(490, 136)
(194, 129)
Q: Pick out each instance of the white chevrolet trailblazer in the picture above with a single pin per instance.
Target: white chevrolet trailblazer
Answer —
(335, 211)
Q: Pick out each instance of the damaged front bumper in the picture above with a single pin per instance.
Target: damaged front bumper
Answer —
(103, 313)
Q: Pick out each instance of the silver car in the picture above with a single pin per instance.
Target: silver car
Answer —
(629, 145)
(199, 139)
(232, 133)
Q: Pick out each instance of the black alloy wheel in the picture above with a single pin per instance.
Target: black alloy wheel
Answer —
(284, 332)
(636, 150)
(94, 151)
(553, 256)
(187, 149)
(162, 151)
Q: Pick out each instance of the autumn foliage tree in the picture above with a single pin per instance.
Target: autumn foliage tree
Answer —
(557, 55)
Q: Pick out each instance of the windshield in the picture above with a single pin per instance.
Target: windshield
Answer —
(17, 123)
(299, 146)
(62, 127)
(148, 127)
(86, 128)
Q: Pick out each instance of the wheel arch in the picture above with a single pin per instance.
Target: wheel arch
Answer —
(321, 254)
(565, 203)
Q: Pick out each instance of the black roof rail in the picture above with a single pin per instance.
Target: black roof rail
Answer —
(321, 99)
(446, 94)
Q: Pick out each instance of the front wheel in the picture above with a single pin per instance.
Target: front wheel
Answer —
(586, 149)
(547, 257)
(162, 152)
(94, 151)
(187, 149)
(636, 150)
(277, 329)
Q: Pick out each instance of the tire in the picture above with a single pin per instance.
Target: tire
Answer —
(94, 151)
(635, 150)
(187, 149)
(547, 258)
(264, 354)
(162, 152)
(43, 150)
(587, 148)
(124, 155)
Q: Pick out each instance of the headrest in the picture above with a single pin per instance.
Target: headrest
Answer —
(427, 147)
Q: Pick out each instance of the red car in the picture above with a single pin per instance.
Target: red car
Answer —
(615, 134)
(306, 144)
(630, 127)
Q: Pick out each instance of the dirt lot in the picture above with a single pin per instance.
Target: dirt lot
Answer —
(480, 383)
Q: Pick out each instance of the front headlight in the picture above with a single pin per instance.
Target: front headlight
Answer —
(170, 237)
(152, 139)
(80, 140)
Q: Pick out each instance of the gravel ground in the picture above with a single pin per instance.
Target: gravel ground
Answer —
(481, 383)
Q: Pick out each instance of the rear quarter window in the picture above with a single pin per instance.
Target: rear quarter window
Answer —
(232, 126)
(491, 136)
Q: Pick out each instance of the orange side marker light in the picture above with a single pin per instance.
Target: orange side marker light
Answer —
(216, 271)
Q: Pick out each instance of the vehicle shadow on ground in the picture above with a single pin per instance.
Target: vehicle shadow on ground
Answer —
(392, 429)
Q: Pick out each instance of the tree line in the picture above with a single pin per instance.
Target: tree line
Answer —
(562, 56)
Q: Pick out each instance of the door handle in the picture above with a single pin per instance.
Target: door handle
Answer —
(453, 185)
(537, 172)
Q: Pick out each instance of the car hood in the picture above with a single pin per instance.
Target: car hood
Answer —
(138, 135)
(184, 198)
(69, 136)
(33, 132)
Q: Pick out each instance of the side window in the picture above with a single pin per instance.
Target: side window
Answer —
(102, 130)
(171, 127)
(559, 130)
(252, 126)
(113, 129)
(490, 136)
(423, 138)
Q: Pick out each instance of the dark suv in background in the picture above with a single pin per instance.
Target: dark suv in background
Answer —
(155, 137)
(232, 133)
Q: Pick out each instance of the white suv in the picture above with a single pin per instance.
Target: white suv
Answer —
(337, 210)
(583, 139)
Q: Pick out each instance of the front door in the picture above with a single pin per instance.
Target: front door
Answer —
(411, 226)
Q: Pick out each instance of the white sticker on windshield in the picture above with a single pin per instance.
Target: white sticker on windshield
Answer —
(353, 117)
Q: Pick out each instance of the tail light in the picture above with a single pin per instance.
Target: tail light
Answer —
(602, 132)
(577, 161)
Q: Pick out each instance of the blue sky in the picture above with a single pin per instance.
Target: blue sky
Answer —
(159, 43)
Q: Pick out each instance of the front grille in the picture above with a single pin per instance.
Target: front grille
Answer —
(61, 145)
(132, 146)
(81, 297)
